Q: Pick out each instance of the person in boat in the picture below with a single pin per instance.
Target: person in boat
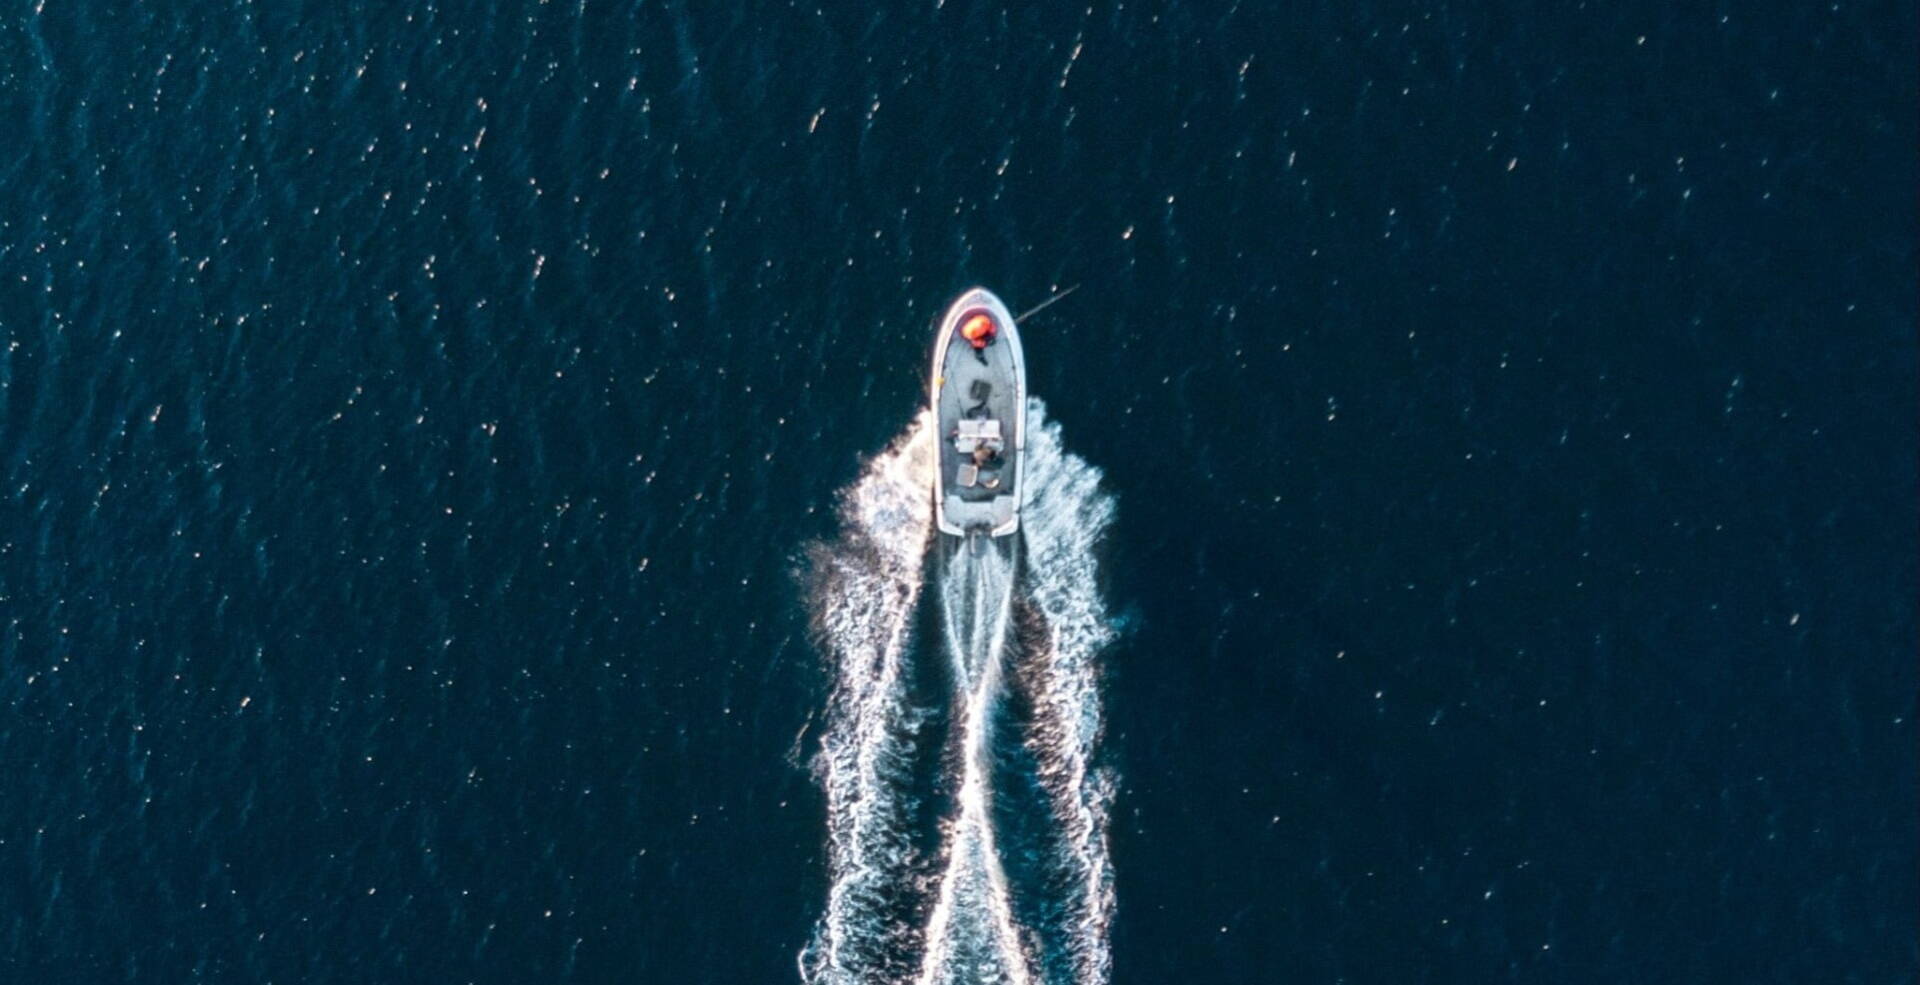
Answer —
(988, 462)
(978, 330)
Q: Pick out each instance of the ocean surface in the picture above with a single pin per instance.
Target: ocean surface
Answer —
(442, 447)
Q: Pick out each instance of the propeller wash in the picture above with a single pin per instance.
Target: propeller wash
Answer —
(966, 814)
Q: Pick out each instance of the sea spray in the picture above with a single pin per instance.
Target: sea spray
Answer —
(883, 922)
(1064, 520)
(866, 588)
(972, 936)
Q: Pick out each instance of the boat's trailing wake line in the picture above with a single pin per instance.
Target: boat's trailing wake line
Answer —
(865, 590)
(972, 936)
(1065, 517)
(930, 907)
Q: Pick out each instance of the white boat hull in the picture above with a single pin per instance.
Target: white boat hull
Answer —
(979, 397)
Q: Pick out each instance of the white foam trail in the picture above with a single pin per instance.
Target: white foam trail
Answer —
(1065, 516)
(864, 606)
(972, 936)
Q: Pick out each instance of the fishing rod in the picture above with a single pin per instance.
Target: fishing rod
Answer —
(1030, 311)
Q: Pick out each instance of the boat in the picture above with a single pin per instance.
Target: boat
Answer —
(979, 398)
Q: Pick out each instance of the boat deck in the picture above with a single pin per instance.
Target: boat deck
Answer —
(977, 386)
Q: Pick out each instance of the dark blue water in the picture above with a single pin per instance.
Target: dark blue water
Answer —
(413, 416)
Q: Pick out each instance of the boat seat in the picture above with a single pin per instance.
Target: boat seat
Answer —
(971, 434)
(967, 476)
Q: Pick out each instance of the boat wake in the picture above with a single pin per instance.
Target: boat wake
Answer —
(966, 813)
